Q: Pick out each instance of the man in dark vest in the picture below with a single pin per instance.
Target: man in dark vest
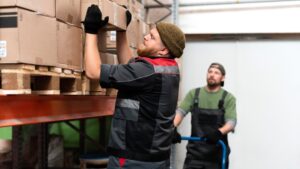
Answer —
(142, 124)
(213, 117)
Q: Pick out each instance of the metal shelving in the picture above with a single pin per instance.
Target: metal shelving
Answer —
(19, 110)
(33, 109)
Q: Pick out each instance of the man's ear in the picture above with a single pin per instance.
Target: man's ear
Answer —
(164, 51)
(223, 79)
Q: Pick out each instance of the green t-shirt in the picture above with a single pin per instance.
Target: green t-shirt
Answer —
(210, 100)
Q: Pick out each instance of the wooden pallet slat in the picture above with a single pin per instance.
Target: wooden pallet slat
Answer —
(36, 79)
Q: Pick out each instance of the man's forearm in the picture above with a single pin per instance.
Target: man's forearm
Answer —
(92, 56)
(123, 50)
(226, 128)
(177, 120)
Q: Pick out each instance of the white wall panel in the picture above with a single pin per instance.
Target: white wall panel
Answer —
(264, 77)
(276, 17)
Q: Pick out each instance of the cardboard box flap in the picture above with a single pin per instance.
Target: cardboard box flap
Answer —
(45, 7)
(38, 37)
(28, 4)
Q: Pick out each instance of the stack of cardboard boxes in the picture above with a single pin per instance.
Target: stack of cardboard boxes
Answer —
(115, 10)
(138, 27)
(49, 32)
(28, 32)
(41, 33)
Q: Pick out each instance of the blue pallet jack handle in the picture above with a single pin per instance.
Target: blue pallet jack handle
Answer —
(224, 149)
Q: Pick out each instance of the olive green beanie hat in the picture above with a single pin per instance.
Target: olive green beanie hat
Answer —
(172, 37)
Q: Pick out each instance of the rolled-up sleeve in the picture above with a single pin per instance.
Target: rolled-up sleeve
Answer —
(104, 78)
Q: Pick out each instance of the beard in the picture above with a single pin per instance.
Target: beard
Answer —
(144, 51)
(212, 83)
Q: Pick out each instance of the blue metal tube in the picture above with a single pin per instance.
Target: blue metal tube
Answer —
(224, 149)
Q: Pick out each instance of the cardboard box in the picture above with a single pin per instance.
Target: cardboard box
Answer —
(133, 32)
(136, 31)
(144, 30)
(27, 37)
(69, 49)
(44, 7)
(122, 2)
(137, 9)
(115, 12)
(20, 3)
(69, 11)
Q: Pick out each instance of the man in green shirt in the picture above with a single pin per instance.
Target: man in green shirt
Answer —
(213, 117)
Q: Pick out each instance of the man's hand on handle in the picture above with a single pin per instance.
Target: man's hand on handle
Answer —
(176, 137)
(213, 136)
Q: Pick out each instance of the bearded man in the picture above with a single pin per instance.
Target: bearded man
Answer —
(213, 111)
(142, 125)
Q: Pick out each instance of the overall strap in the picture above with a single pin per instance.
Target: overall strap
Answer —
(221, 102)
(196, 98)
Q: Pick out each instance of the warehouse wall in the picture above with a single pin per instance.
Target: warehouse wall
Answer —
(263, 75)
(278, 17)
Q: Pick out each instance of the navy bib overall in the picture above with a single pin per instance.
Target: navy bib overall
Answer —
(200, 154)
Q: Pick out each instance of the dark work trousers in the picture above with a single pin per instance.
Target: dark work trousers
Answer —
(122, 163)
(196, 164)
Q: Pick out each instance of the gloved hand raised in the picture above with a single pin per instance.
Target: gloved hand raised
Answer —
(93, 20)
(213, 136)
(176, 137)
(128, 16)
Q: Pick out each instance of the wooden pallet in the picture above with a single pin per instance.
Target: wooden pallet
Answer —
(35, 79)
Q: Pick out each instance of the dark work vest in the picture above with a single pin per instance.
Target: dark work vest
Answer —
(203, 121)
(142, 124)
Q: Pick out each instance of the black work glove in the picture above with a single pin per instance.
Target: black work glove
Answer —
(213, 136)
(93, 20)
(176, 137)
(128, 16)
